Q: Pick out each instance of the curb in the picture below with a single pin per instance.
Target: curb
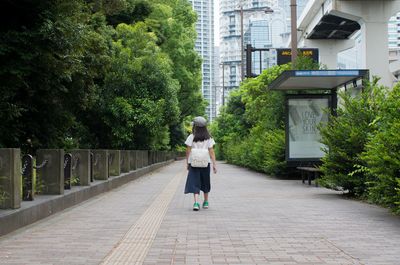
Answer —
(46, 205)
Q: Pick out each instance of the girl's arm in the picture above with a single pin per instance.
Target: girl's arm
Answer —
(212, 155)
(188, 149)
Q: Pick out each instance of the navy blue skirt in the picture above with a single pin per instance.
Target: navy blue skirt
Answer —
(198, 179)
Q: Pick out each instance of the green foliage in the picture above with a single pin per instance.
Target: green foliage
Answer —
(264, 107)
(363, 150)
(345, 137)
(173, 22)
(307, 63)
(382, 154)
(249, 130)
(261, 150)
(97, 73)
(274, 152)
(136, 113)
(36, 67)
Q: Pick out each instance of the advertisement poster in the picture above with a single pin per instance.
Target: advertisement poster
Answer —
(305, 115)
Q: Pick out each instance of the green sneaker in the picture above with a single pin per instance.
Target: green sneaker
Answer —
(196, 206)
(205, 204)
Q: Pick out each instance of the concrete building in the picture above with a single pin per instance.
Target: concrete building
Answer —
(335, 26)
(205, 47)
(217, 89)
(351, 58)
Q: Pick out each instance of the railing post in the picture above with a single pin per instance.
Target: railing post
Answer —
(91, 166)
(67, 171)
(81, 166)
(10, 178)
(50, 169)
(114, 162)
(124, 161)
(132, 160)
(138, 159)
(145, 158)
(150, 154)
(100, 164)
(27, 178)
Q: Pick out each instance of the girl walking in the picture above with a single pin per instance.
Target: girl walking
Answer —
(199, 155)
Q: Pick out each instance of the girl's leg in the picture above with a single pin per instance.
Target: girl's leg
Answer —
(206, 197)
(196, 205)
(205, 203)
(196, 197)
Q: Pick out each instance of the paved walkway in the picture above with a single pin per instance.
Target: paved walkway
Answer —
(253, 219)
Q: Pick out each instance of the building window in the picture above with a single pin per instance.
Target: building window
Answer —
(233, 70)
(232, 20)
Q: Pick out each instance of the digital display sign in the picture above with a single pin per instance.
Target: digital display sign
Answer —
(284, 55)
(327, 73)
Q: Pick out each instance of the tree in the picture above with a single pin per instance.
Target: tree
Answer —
(173, 22)
(97, 73)
(42, 57)
(139, 98)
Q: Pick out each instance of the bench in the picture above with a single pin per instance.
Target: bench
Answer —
(310, 171)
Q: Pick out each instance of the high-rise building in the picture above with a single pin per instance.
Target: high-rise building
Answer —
(231, 35)
(217, 88)
(260, 29)
(205, 47)
(394, 31)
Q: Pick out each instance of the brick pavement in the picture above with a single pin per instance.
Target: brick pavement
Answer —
(253, 219)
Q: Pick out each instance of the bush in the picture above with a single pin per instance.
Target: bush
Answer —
(382, 155)
(262, 150)
(274, 150)
(345, 137)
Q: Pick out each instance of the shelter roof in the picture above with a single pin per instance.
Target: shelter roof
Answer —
(316, 79)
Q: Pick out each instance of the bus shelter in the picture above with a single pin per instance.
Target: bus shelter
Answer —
(309, 93)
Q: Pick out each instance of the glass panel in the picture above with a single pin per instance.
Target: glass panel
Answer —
(305, 115)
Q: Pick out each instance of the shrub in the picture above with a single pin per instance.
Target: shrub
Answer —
(274, 150)
(345, 137)
(382, 155)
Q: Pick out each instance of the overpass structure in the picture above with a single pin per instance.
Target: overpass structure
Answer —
(329, 25)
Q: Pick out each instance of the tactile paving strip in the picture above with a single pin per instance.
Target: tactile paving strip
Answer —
(133, 247)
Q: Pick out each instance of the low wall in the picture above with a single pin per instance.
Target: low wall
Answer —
(46, 205)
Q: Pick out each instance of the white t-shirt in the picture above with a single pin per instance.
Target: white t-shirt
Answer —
(209, 143)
